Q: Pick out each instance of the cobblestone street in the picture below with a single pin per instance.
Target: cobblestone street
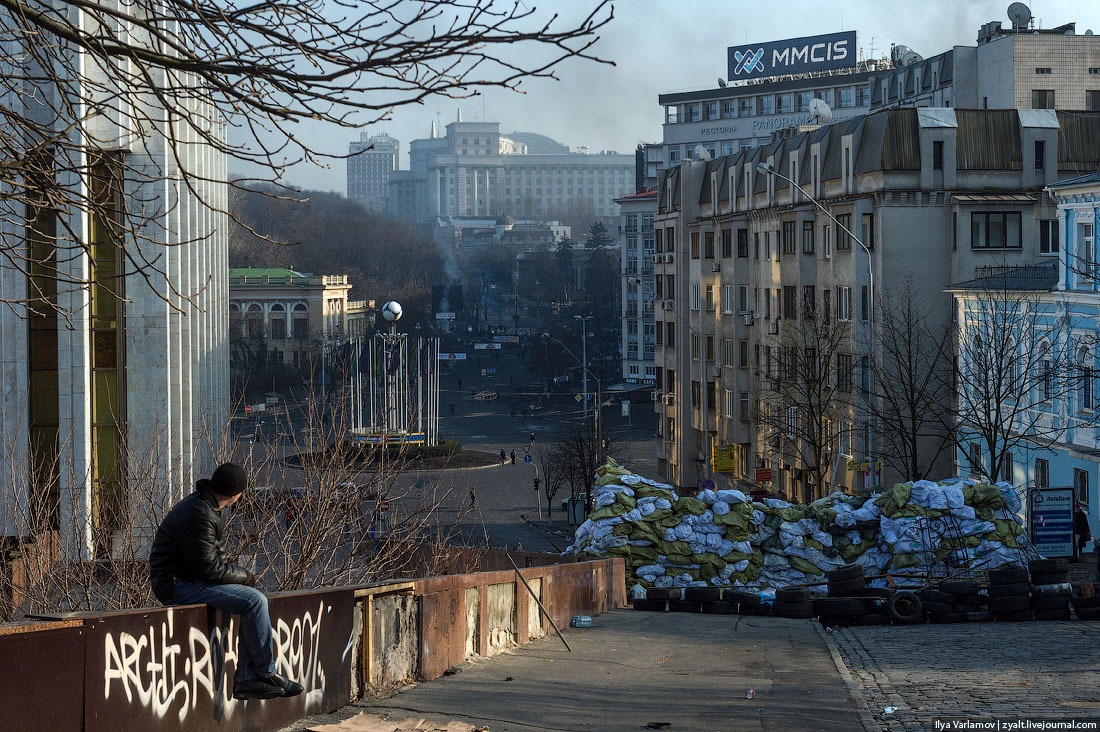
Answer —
(1006, 671)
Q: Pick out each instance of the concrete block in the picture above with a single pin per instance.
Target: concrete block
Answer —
(473, 620)
(501, 617)
(395, 628)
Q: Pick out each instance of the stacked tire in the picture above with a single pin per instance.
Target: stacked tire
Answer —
(939, 606)
(1050, 588)
(1010, 594)
(1085, 607)
(966, 600)
(656, 599)
(846, 581)
(710, 600)
(793, 602)
(747, 603)
(846, 603)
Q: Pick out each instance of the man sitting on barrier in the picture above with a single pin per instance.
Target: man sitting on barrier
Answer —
(188, 564)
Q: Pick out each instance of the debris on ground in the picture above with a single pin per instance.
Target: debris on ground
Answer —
(364, 722)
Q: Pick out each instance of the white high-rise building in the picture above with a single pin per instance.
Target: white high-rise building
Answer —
(372, 162)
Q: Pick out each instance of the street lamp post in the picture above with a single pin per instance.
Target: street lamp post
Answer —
(599, 391)
(766, 168)
(584, 356)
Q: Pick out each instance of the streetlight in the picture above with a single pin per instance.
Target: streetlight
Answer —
(584, 352)
(599, 389)
(766, 168)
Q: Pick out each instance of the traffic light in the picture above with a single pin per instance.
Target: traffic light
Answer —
(532, 437)
(536, 483)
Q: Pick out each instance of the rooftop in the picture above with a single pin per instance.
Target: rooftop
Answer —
(1033, 277)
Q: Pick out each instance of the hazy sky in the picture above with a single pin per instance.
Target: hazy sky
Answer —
(668, 45)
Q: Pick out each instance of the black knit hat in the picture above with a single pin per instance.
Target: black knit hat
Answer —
(228, 480)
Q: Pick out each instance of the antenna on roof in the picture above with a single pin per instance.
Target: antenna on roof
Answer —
(1020, 15)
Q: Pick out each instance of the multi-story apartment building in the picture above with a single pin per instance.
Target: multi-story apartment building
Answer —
(371, 163)
(1045, 318)
(637, 247)
(742, 256)
(288, 314)
(474, 170)
(1021, 68)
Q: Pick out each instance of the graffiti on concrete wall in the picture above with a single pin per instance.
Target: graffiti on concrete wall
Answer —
(173, 667)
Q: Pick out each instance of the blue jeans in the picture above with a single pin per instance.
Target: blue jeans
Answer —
(255, 658)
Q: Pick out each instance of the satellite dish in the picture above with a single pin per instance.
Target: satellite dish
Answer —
(820, 112)
(1088, 32)
(910, 58)
(722, 83)
(701, 153)
(1019, 14)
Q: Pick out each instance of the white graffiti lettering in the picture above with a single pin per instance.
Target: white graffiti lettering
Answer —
(155, 671)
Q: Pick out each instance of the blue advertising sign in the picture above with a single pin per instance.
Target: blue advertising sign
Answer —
(793, 56)
(1052, 521)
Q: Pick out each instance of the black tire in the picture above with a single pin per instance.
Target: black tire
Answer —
(1050, 578)
(959, 587)
(938, 608)
(1084, 603)
(720, 607)
(702, 594)
(968, 607)
(683, 606)
(641, 603)
(1010, 604)
(847, 572)
(881, 593)
(741, 597)
(1062, 614)
(1048, 566)
(792, 594)
(930, 595)
(1087, 613)
(760, 610)
(1013, 617)
(1045, 603)
(799, 610)
(847, 588)
(873, 619)
(837, 621)
(946, 618)
(904, 608)
(662, 593)
(1018, 588)
(850, 606)
(1009, 574)
(979, 616)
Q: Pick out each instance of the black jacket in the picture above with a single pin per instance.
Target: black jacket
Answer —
(189, 545)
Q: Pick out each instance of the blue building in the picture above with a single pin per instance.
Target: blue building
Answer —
(1028, 351)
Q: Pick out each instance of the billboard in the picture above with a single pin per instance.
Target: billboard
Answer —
(1052, 521)
(723, 458)
(792, 56)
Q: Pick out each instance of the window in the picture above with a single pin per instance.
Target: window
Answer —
(844, 303)
(742, 243)
(1042, 99)
(1087, 256)
(864, 304)
(809, 302)
(659, 238)
(843, 372)
(826, 244)
(727, 352)
(844, 225)
(1042, 473)
(756, 245)
(743, 406)
(1046, 386)
(844, 437)
(868, 231)
(995, 230)
(744, 107)
(728, 108)
(1085, 379)
(1007, 470)
(937, 155)
(709, 299)
(767, 245)
(1081, 486)
(791, 422)
(766, 104)
(695, 245)
(1043, 70)
(789, 244)
(695, 301)
(1048, 236)
(708, 245)
(865, 374)
(696, 394)
(670, 340)
(695, 347)
(742, 299)
(743, 353)
(727, 243)
(710, 349)
(974, 456)
(782, 103)
(278, 329)
(790, 302)
(1040, 154)
(710, 110)
(847, 97)
(807, 237)
(1092, 101)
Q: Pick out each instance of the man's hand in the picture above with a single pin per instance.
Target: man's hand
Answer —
(252, 580)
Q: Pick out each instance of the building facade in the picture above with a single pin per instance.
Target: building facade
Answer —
(371, 162)
(284, 316)
(741, 256)
(637, 249)
(1027, 68)
(474, 170)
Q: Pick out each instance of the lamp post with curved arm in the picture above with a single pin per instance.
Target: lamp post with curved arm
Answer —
(767, 168)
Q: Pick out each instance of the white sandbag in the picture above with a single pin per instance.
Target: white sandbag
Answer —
(684, 531)
(731, 497)
(776, 503)
(650, 569)
(663, 504)
(707, 496)
(720, 508)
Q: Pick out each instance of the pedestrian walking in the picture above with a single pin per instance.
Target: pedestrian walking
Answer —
(452, 408)
(525, 414)
(532, 437)
(187, 566)
(513, 416)
(503, 456)
(1081, 527)
(460, 384)
(513, 457)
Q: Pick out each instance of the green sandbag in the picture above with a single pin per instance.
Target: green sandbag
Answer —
(687, 504)
(983, 495)
(669, 522)
(622, 529)
(812, 542)
(903, 561)
(893, 501)
(606, 512)
(660, 514)
(804, 565)
(626, 500)
(640, 532)
(673, 547)
(643, 490)
(678, 559)
(734, 557)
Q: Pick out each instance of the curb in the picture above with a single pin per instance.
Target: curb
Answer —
(854, 691)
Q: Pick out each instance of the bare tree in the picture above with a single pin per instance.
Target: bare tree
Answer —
(553, 479)
(806, 390)
(103, 101)
(911, 397)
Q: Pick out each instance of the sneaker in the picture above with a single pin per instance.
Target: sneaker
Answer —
(256, 689)
(288, 687)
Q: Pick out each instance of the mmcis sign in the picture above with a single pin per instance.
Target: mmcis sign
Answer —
(792, 56)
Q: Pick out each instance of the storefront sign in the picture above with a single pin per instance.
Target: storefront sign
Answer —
(1052, 521)
(763, 475)
(792, 56)
(723, 458)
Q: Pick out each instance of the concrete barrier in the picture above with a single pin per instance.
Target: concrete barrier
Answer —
(172, 668)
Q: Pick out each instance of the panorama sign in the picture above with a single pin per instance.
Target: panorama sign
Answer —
(793, 56)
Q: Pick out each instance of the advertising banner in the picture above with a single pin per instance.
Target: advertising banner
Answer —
(1052, 521)
(486, 346)
(452, 356)
(723, 458)
(792, 56)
